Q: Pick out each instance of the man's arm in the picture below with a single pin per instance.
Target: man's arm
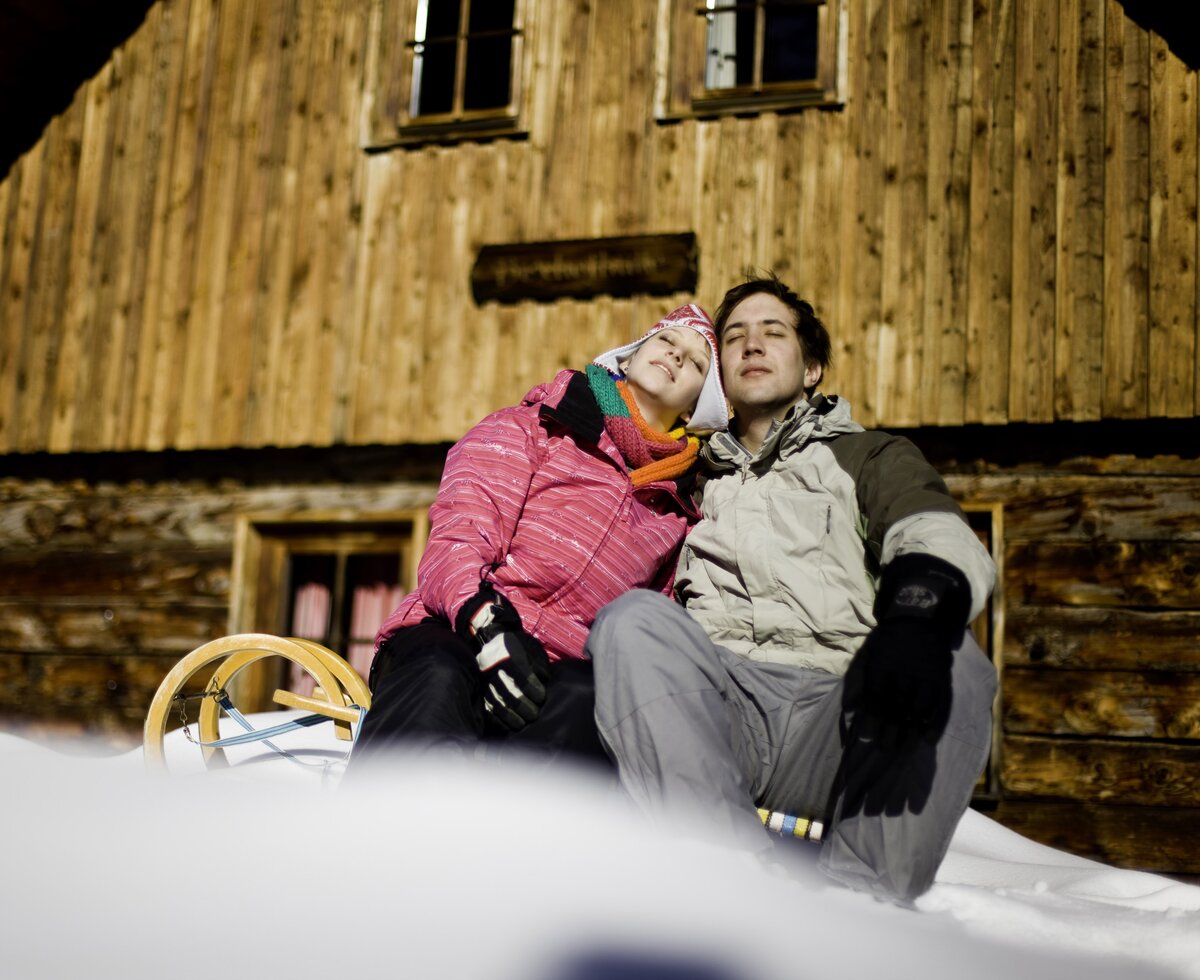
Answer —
(935, 577)
(907, 509)
(950, 538)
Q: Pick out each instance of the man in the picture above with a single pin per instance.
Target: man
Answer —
(822, 668)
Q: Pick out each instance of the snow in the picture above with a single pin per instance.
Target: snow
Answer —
(501, 871)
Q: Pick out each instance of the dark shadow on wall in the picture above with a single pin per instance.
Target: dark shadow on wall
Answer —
(1173, 21)
(48, 48)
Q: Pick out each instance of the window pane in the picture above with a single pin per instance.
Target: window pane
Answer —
(790, 47)
(433, 78)
(730, 46)
(312, 580)
(441, 18)
(487, 82)
(490, 15)
(372, 585)
(720, 44)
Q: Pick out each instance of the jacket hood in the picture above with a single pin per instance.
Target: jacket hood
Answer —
(821, 418)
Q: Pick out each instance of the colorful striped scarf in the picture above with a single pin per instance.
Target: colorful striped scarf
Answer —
(651, 455)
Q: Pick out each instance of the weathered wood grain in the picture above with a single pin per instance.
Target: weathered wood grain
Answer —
(1173, 202)
(1127, 207)
(230, 33)
(45, 520)
(1035, 210)
(1129, 704)
(74, 365)
(21, 234)
(990, 262)
(47, 285)
(1099, 638)
(1140, 574)
(1101, 771)
(1079, 274)
(163, 574)
(45, 695)
(110, 627)
(1148, 838)
(948, 215)
(1090, 507)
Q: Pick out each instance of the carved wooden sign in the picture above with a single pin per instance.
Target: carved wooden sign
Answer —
(544, 271)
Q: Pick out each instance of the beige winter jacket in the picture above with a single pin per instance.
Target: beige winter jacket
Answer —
(783, 564)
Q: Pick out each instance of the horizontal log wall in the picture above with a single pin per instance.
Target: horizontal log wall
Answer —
(105, 586)
(1100, 693)
(1000, 224)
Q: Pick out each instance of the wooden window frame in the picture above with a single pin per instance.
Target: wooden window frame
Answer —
(989, 630)
(458, 124)
(263, 546)
(682, 90)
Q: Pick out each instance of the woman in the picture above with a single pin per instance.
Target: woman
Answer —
(546, 511)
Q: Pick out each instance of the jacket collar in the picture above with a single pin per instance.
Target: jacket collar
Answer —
(821, 418)
(576, 410)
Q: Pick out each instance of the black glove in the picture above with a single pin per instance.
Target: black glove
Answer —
(900, 677)
(514, 665)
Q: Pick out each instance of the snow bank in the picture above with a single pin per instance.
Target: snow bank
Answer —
(507, 873)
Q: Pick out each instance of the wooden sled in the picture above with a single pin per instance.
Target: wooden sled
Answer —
(339, 695)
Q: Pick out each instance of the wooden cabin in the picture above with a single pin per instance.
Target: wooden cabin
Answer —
(272, 258)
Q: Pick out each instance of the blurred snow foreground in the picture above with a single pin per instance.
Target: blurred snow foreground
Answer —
(506, 872)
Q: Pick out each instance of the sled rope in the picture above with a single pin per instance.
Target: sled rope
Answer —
(264, 735)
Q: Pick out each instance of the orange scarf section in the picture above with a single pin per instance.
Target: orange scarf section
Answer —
(681, 449)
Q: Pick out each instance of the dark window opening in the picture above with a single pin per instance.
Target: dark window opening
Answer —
(461, 71)
(340, 598)
(762, 42)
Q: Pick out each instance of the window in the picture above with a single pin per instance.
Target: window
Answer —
(748, 55)
(461, 63)
(338, 593)
(321, 578)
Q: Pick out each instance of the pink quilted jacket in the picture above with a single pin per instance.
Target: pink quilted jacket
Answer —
(539, 495)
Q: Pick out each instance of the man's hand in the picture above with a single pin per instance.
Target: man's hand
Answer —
(900, 677)
(514, 664)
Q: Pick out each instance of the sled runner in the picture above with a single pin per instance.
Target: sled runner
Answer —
(341, 695)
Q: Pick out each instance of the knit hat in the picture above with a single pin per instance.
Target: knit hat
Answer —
(711, 412)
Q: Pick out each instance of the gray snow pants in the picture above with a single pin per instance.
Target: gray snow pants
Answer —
(693, 726)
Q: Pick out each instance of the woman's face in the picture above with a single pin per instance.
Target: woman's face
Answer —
(666, 374)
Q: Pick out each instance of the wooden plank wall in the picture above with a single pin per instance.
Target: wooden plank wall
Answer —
(1000, 224)
(1100, 692)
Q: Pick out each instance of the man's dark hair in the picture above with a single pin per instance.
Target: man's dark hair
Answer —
(814, 338)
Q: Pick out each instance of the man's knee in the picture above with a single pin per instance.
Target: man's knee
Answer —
(974, 684)
(636, 613)
(647, 647)
(974, 674)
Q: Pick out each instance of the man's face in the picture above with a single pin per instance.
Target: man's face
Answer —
(762, 362)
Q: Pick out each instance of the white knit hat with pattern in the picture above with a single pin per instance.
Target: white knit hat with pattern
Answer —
(711, 412)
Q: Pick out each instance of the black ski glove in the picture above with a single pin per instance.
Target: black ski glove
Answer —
(900, 677)
(514, 665)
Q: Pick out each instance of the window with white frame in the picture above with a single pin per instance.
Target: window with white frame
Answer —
(743, 55)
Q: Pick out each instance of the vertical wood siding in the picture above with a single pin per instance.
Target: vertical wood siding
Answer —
(999, 225)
